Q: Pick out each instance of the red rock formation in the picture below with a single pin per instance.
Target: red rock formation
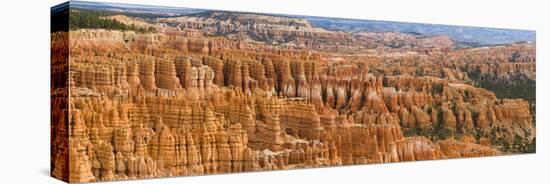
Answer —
(254, 93)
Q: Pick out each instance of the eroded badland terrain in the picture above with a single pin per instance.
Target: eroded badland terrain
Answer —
(222, 92)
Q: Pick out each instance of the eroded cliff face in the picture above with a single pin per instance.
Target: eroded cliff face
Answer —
(179, 102)
(295, 32)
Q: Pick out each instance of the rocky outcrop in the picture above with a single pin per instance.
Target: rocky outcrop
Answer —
(466, 147)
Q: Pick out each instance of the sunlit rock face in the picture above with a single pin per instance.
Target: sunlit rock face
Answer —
(222, 92)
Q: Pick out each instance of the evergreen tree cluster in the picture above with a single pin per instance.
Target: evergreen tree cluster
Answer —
(79, 19)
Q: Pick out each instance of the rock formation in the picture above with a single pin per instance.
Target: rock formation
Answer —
(220, 92)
